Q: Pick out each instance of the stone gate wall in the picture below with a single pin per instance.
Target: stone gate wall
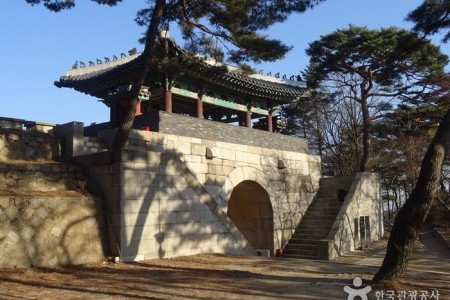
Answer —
(168, 194)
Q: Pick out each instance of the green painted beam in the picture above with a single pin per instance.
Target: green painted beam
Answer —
(218, 101)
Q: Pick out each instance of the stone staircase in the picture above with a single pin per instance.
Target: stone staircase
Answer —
(319, 218)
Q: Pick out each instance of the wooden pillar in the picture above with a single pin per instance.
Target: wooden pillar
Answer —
(199, 106)
(269, 122)
(168, 101)
(138, 109)
(248, 118)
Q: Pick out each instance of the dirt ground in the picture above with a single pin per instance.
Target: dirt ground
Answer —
(217, 276)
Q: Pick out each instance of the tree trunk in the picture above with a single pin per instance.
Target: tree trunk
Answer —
(132, 102)
(388, 203)
(396, 199)
(363, 167)
(413, 213)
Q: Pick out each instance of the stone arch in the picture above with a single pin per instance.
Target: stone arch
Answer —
(249, 208)
(247, 202)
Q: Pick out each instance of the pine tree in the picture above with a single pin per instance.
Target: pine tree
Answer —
(367, 65)
(235, 24)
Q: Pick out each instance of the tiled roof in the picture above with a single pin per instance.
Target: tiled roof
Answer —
(97, 80)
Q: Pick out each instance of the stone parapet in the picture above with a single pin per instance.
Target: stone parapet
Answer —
(363, 206)
(211, 130)
(16, 144)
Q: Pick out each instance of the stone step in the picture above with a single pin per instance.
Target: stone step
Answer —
(326, 202)
(331, 206)
(298, 246)
(319, 220)
(318, 212)
(303, 227)
(298, 237)
(297, 256)
(300, 241)
(300, 252)
(325, 224)
(310, 234)
(322, 215)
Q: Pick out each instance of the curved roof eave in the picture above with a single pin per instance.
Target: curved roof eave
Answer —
(94, 80)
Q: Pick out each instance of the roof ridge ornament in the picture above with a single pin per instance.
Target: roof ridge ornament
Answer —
(80, 68)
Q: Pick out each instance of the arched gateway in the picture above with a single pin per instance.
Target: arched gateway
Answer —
(188, 181)
(249, 208)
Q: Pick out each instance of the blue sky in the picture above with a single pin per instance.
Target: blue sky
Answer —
(38, 46)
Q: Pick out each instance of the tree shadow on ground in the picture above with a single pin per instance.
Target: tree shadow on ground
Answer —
(194, 277)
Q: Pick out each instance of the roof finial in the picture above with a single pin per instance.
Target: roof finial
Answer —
(132, 51)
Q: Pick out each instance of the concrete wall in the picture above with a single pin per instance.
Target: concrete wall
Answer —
(363, 199)
(166, 198)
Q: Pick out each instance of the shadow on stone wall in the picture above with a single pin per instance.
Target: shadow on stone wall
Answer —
(25, 145)
(45, 218)
(49, 231)
(156, 207)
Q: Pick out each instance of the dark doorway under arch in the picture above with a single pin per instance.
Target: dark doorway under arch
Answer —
(249, 208)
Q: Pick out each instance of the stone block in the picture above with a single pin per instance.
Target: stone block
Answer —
(201, 178)
(174, 205)
(189, 194)
(192, 158)
(217, 227)
(197, 168)
(168, 218)
(140, 219)
(179, 182)
(236, 177)
(215, 179)
(198, 150)
(218, 170)
(168, 170)
(128, 192)
(229, 163)
(269, 161)
(255, 150)
(226, 153)
(130, 178)
(190, 139)
(207, 216)
(188, 216)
